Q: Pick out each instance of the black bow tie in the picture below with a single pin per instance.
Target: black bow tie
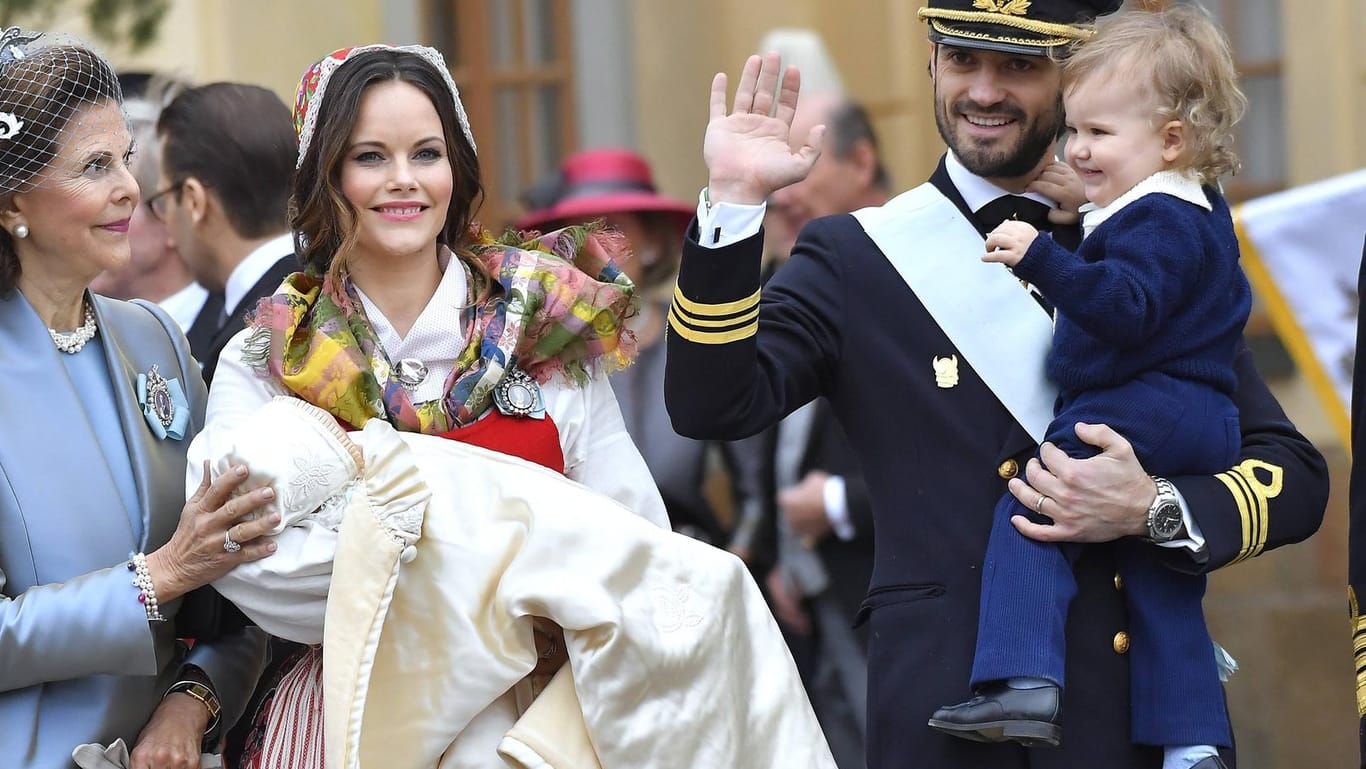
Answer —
(1025, 209)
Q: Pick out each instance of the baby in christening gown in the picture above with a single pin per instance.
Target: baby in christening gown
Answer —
(452, 550)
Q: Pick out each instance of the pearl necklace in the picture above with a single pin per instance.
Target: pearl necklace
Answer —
(71, 342)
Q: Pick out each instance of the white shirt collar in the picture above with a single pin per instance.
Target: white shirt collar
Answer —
(250, 270)
(438, 335)
(1179, 184)
(184, 305)
(977, 191)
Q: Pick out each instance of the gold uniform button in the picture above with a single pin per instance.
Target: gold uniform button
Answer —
(1119, 582)
(1008, 469)
(1121, 642)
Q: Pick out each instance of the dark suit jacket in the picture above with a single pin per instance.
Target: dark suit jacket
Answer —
(848, 564)
(237, 318)
(838, 321)
(205, 327)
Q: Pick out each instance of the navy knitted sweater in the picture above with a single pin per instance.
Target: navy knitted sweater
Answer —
(1156, 287)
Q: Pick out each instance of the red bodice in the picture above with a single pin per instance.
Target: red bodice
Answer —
(535, 440)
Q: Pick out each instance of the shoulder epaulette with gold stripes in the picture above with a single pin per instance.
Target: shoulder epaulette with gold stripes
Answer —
(714, 323)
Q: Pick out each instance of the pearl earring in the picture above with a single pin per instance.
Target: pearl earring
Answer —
(21, 231)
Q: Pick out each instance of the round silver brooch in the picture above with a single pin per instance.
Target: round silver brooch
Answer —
(517, 394)
(410, 372)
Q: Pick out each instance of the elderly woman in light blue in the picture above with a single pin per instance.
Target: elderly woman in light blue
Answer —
(98, 402)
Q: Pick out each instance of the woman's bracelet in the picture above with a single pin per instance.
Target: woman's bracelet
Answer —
(147, 592)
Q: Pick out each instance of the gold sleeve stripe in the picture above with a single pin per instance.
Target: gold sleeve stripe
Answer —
(1245, 503)
(715, 310)
(1358, 625)
(711, 337)
(1257, 521)
(1256, 539)
(1253, 495)
(703, 322)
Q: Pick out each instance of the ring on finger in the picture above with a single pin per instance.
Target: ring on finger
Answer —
(229, 545)
(1038, 506)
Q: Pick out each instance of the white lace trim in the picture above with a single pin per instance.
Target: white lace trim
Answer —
(330, 65)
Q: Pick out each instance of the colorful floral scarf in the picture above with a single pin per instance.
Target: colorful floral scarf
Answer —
(557, 304)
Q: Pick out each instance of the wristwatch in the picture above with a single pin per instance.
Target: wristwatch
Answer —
(202, 693)
(1165, 519)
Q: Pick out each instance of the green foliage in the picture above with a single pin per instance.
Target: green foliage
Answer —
(130, 22)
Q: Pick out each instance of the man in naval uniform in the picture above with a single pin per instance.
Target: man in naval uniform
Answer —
(933, 363)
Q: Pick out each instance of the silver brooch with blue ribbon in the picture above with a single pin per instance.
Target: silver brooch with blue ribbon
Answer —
(518, 395)
(163, 404)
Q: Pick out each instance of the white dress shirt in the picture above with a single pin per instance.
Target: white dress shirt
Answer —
(437, 337)
(977, 191)
(184, 305)
(250, 270)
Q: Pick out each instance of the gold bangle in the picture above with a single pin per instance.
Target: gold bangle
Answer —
(205, 696)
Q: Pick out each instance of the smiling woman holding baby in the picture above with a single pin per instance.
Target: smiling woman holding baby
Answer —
(405, 315)
(431, 406)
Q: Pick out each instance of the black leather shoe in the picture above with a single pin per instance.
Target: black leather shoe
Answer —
(1001, 714)
(1213, 762)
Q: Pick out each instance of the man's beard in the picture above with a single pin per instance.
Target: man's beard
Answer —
(1035, 141)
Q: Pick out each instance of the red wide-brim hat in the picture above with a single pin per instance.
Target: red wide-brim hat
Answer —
(595, 183)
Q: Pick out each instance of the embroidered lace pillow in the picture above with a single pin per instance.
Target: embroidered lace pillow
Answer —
(299, 450)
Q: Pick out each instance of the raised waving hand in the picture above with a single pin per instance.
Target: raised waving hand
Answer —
(748, 148)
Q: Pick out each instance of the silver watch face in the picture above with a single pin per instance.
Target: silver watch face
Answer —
(1166, 522)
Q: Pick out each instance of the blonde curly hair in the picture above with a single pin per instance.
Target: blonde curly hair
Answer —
(1181, 59)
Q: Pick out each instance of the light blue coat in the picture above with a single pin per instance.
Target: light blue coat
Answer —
(79, 662)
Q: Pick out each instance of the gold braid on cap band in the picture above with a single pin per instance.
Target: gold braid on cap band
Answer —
(1067, 32)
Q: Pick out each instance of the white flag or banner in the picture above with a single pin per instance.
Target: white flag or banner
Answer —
(1302, 250)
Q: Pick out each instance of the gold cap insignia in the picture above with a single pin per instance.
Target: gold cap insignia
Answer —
(946, 371)
(1004, 7)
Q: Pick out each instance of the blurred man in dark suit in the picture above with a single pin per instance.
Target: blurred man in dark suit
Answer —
(227, 157)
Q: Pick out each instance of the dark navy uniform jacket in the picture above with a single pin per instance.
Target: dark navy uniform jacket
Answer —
(839, 321)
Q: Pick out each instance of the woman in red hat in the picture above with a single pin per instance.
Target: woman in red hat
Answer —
(616, 186)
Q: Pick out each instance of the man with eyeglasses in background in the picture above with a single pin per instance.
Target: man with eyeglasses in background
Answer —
(227, 159)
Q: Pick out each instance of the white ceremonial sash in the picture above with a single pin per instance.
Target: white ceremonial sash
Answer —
(992, 321)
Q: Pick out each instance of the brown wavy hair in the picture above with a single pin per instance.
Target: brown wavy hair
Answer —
(238, 140)
(1181, 59)
(323, 220)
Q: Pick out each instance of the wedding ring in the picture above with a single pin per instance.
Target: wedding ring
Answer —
(1038, 506)
(229, 545)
